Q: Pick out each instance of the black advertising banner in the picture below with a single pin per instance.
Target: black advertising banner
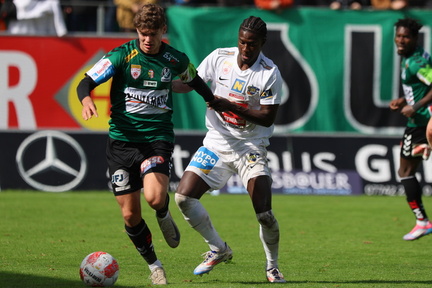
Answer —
(56, 161)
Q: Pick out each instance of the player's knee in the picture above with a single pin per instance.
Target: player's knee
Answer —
(183, 202)
(266, 219)
(128, 218)
(179, 199)
(156, 203)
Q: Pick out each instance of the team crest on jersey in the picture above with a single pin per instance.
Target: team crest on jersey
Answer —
(252, 90)
(135, 71)
(238, 85)
(166, 75)
(150, 74)
(253, 157)
(226, 67)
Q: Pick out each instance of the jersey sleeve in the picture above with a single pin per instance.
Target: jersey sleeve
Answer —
(112, 61)
(424, 74)
(273, 90)
(189, 74)
(421, 68)
(102, 71)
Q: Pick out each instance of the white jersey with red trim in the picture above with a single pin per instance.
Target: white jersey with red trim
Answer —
(261, 84)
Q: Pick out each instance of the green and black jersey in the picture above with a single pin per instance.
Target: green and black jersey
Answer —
(416, 78)
(141, 96)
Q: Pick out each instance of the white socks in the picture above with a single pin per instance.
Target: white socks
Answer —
(197, 217)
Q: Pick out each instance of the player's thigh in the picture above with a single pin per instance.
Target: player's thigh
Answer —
(409, 166)
(192, 185)
(253, 164)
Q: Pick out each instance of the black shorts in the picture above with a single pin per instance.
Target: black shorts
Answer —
(128, 162)
(412, 137)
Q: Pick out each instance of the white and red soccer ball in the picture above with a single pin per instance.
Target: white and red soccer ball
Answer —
(99, 269)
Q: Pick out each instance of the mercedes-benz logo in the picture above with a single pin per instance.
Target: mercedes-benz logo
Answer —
(51, 161)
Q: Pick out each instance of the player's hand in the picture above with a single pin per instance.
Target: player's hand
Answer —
(219, 104)
(397, 104)
(423, 150)
(408, 111)
(89, 108)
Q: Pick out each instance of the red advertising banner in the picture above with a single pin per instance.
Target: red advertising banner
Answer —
(334, 79)
(38, 80)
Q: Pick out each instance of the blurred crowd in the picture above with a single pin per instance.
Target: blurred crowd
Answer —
(59, 17)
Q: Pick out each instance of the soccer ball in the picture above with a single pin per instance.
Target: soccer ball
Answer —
(99, 269)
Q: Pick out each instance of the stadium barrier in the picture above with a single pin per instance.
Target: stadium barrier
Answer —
(56, 161)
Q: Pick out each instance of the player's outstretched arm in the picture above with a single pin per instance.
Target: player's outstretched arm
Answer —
(202, 88)
(179, 87)
(84, 89)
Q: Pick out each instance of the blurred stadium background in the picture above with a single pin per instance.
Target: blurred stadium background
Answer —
(334, 133)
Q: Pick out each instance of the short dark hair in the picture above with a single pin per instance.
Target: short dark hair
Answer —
(412, 24)
(150, 16)
(255, 25)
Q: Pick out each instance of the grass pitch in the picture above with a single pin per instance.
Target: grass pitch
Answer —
(326, 241)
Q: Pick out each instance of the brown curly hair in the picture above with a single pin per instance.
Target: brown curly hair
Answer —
(151, 16)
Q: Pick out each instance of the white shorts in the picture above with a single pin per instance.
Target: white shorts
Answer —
(215, 168)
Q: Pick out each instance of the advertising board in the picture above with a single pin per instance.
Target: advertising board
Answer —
(56, 161)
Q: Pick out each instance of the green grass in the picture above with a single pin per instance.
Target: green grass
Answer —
(326, 241)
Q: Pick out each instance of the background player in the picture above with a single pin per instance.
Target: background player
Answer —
(416, 78)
